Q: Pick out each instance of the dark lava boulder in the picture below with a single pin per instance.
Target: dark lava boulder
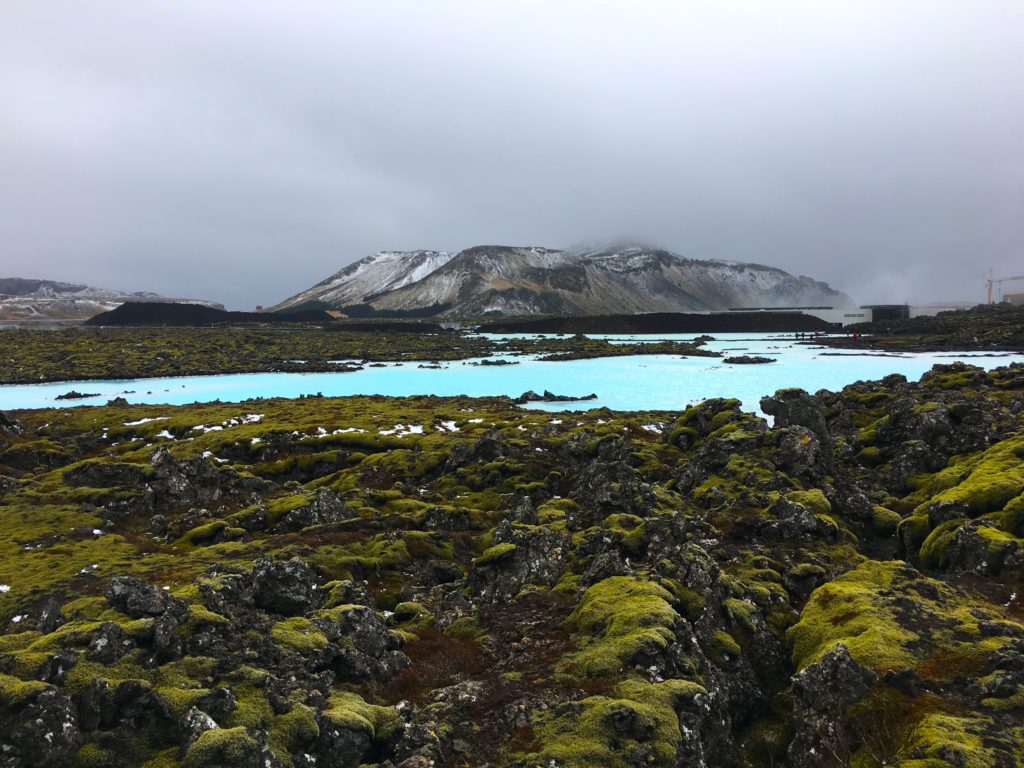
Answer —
(520, 555)
(8, 425)
(326, 507)
(822, 692)
(188, 482)
(138, 598)
(38, 725)
(96, 474)
(366, 649)
(288, 588)
(796, 408)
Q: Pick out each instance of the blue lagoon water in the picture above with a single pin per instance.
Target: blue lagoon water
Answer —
(623, 383)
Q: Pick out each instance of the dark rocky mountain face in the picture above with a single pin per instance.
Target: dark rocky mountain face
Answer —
(506, 280)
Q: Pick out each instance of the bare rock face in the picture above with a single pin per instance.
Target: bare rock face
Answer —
(367, 650)
(192, 482)
(796, 408)
(326, 507)
(139, 598)
(823, 691)
(970, 551)
(38, 725)
(287, 588)
(794, 522)
(50, 617)
(8, 425)
(521, 555)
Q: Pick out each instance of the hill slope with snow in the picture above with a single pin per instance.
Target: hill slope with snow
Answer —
(507, 280)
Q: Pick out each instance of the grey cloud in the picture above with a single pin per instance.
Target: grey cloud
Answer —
(243, 151)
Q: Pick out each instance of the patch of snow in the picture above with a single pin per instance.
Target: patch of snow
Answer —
(401, 430)
(165, 433)
(144, 421)
(5, 588)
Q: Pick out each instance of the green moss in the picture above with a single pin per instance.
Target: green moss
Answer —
(222, 748)
(299, 634)
(292, 730)
(412, 616)
(884, 521)
(813, 500)
(467, 627)
(619, 621)
(348, 710)
(804, 571)
(890, 617)
(986, 483)
(495, 554)
(722, 648)
(217, 530)
(849, 610)
(944, 739)
(14, 691)
(912, 532)
(689, 601)
(870, 456)
(609, 731)
(740, 612)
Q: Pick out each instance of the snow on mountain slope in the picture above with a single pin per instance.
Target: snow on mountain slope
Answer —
(377, 273)
(23, 299)
(506, 280)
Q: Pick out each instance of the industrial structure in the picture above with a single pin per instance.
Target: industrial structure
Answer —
(992, 281)
(842, 316)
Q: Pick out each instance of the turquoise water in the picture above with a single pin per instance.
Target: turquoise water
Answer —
(623, 383)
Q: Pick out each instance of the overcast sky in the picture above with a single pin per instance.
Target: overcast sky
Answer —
(242, 151)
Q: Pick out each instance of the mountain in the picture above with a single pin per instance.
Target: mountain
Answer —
(28, 300)
(507, 280)
(378, 273)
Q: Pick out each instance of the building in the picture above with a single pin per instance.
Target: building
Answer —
(866, 313)
(1017, 297)
(837, 316)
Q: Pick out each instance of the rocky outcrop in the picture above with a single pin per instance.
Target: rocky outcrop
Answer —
(325, 508)
(38, 725)
(139, 599)
(288, 588)
(823, 691)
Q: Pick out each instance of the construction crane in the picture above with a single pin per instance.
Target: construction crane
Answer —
(990, 280)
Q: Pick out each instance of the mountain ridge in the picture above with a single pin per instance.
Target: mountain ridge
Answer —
(506, 280)
(29, 299)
